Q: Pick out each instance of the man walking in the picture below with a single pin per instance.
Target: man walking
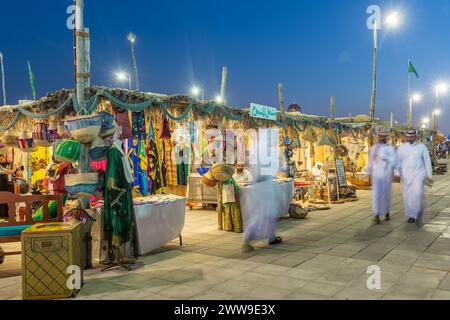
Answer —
(415, 171)
(382, 161)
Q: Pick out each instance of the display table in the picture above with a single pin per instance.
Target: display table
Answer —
(158, 222)
(276, 198)
(198, 192)
(159, 219)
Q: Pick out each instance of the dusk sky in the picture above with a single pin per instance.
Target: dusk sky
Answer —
(317, 48)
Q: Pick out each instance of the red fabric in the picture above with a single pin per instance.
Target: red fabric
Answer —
(59, 186)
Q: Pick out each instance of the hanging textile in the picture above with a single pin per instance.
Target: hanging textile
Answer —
(162, 166)
(138, 125)
(137, 155)
(118, 208)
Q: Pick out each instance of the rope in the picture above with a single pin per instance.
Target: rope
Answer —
(45, 115)
(12, 124)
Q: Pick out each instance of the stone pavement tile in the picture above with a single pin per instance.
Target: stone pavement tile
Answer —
(179, 276)
(418, 277)
(254, 277)
(266, 293)
(10, 292)
(245, 265)
(445, 283)
(224, 273)
(302, 295)
(271, 269)
(213, 295)
(10, 281)
(290, 261)
(358, 293)
(181, 292)
(267, 257)
(441, 295)
(402, 257)
(236, 287)
(434, 261)
(440, 246)
(321, 263)
(374, 252)
(334, 278)
(99, 287)
(418, 293)
(393, 267)
(321, 289)
(420, 241)
(397, 296)
(282, 281)
(341, 253)
(140, 294)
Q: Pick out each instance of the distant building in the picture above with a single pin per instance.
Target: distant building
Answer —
(294, 108)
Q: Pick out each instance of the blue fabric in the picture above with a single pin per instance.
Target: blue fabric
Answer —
(12, 230)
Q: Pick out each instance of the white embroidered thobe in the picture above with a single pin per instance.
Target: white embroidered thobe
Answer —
(382, 162)
(415, 167)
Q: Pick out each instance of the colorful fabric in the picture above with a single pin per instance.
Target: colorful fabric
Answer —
(138, 127)
(118, 208)
(232, 211)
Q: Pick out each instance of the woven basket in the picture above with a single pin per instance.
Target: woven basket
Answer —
(10, 139)
(26, 144)
(68, 150)
(81, 184)
(297, 212)
(41, 135)
(84, 128)
(208, 180)
(222, 172)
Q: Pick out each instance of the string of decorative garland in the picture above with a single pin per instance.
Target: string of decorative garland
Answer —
(58, 110)
(12, 124)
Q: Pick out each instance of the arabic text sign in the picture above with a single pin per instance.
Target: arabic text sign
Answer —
(263, 112)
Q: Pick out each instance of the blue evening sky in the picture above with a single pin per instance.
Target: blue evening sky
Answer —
(317, 48)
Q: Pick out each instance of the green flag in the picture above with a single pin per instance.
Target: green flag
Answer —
(33, 88)
(411, 69)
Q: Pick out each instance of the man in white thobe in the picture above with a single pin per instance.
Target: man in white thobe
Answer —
(382, 162)
(415, 171)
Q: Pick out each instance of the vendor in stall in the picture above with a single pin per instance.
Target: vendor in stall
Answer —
(242, 176)
(318, 172)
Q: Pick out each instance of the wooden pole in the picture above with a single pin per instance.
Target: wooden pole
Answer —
(3, 79)
(374, 83)
(80, 52)
(223, 86)
(219, 206)
(332, 109)
(281, 97)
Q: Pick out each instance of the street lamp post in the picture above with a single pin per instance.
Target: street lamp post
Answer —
(436, 114)
(416, 97)
(392, 21)
(3, 79)
(132, 38)
(196, 92)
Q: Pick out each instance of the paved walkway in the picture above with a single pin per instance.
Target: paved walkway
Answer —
(324, 257)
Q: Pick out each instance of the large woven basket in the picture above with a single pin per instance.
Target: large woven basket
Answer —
(208, 180)
(41, 135)
(81, 184)
(222, 172)
(84, 128)
(10, 139)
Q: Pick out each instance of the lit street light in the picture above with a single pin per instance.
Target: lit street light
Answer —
(219, 99)
(196, 92)
(441, 88)
(132, 38)
(122, 76)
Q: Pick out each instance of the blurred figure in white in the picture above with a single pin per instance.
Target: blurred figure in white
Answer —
(382, 162)
(415, 170)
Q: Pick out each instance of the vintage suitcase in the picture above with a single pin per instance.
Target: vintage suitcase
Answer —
(48, 250)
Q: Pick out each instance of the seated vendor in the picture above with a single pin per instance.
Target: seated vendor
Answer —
(242, 176)
(318, 171)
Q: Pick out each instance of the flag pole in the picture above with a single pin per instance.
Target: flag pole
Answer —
(3, 79)
(410, 107)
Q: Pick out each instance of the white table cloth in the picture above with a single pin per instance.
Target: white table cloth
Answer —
(159, 223)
